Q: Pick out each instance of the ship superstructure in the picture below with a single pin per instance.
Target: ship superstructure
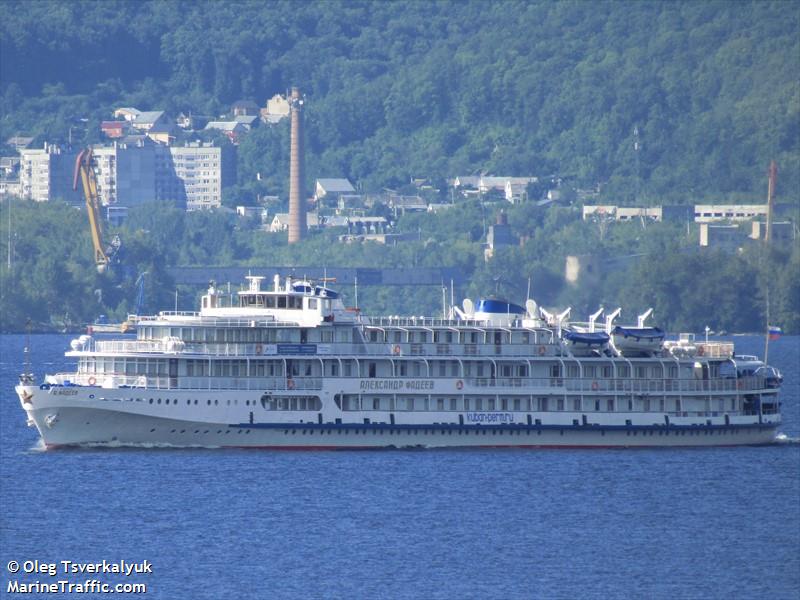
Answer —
(291, 367)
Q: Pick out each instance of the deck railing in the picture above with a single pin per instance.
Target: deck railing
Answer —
(499, 385)
(280, 349)
(162, 382)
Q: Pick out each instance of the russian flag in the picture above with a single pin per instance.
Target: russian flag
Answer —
(774, 332)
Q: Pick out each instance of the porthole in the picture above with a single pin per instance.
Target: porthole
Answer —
(152, 430)
(216, 402)
(151, 400)
(188, 402)
(195, 402)
(159, 401)
(248, 431)
(173, 431)
(229, 402)
(209, 402)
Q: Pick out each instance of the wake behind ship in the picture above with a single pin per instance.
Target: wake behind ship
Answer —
(291, 367)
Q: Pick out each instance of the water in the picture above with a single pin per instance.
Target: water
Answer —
(506, 524)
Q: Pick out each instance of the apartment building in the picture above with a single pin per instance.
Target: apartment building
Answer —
(125, 174)
(193, 174)
(129, 174)
(46, 174)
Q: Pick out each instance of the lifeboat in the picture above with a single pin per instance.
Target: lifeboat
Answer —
(637, 341)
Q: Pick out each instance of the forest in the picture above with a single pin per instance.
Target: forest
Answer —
(53, 280)
(652, 103)
(437, 89)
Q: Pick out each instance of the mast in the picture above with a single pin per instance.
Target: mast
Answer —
(8, 207)
(26, 376)
(773, 178)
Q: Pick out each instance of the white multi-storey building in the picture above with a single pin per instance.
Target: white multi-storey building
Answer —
(129, 174)
(46, 174)
(191, 174)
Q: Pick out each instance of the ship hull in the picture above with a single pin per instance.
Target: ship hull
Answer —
(74, 421)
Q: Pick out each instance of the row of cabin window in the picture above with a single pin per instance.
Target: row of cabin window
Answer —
(352, 402)
(152, 367)
(289, 302)
(448, 336)
(291, 403)
(623, 371)
(251, 335)
(266, 368)
(542, 404)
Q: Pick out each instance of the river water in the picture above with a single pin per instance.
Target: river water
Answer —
(505, 524)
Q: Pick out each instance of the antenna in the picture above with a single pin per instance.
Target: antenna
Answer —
(452, 294)
(8, 207)
(26, 376)
(773, 180)
(636, 148)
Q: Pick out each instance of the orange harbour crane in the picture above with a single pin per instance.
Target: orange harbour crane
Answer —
(103, 255)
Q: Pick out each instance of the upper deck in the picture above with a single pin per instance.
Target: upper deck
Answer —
(303, 318)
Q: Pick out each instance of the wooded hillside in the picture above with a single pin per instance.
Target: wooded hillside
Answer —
(439, 89)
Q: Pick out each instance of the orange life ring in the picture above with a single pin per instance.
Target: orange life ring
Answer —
(459, 384)
(259, 349)
(396, 349)
(290, 384)
(542, 350)
(92, 380)
(595, 386)
(701, 351)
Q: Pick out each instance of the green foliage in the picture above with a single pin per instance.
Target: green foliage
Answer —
(397, 90)
(53, 279)
(400, 89)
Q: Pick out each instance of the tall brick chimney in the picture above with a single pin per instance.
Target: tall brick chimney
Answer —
(297, 201)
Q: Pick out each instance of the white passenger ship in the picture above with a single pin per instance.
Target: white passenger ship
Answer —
(291, 367)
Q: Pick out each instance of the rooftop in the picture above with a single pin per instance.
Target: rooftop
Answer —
(335, 185)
